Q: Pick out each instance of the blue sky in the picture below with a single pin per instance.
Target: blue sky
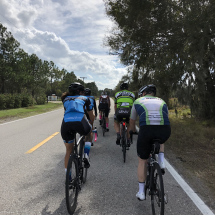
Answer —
(68, 32)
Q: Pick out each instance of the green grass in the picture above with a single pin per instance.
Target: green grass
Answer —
(191, 149)
(29, 111)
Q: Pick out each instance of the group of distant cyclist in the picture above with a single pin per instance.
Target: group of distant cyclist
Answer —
(81, 111)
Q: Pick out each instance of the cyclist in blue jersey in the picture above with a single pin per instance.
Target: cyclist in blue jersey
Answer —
(154, 124)
(76, 116)
(87, 93)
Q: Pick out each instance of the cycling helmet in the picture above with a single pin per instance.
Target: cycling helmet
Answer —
(148, 89)
(76, 87)
(87, 92)
(124, 86)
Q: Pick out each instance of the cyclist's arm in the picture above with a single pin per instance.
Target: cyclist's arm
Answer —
(132, 125)
(133, 118)
(91, 115)
(95, 108)
(115, 107)
(109, 101)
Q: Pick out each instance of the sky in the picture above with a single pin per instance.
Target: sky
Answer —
(68, 32)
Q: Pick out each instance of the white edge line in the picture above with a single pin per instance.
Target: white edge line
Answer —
(187, 189)
(29, 117)
(190, 192)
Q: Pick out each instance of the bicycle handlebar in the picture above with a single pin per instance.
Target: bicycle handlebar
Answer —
(132, 133)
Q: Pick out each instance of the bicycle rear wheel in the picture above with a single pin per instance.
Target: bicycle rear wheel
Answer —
(123, 145)
(103, 126)
(72, 185)
(157, 191)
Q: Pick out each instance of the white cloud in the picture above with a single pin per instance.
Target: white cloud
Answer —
(70, 33)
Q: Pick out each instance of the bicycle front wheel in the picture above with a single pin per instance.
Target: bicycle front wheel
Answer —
(157, 191)
(72, 185)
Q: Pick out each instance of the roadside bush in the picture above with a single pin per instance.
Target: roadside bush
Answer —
(9, 101)
(2, 102)
(41, 99)
(26, 100)
(18, 101)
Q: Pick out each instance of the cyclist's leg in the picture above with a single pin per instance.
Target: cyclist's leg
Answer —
(106, 118)
(117, 129)
(68, 139)
(69, 148)
(128, 134)
(143, 152)
(87, 150)
(161, 132)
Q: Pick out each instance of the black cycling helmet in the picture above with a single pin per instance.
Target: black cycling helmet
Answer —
(151, 88)
(124, 86)
(87, 92)
(76, 87)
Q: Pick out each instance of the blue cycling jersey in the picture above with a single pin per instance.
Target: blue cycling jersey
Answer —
(92, 99)
(75, 108)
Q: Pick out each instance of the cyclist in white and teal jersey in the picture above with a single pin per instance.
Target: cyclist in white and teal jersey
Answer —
(124, 100)
(87, 93)
(154, 124)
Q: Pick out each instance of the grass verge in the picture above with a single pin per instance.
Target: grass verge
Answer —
(8, 115)
(191, 150)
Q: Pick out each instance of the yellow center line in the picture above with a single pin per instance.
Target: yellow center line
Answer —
(40, 144)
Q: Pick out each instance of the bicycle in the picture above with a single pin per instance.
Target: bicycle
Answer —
(154, 180)
(76, 174)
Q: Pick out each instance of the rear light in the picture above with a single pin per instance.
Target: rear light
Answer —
(123, 123)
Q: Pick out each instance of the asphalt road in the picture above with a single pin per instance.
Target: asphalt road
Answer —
(33, 183)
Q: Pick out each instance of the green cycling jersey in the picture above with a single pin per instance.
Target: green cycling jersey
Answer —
(124, 99)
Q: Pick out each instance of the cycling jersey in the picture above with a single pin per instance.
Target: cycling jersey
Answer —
(104, 99)
(75, 108)
(151, 110)
(124, 99)
(93, 104)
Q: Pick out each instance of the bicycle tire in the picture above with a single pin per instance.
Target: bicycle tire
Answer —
(157, 190)
(103, 126)
(72, 185)
(123, 145)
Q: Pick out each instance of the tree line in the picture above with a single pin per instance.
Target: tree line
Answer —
(170, 44)
(23, 73)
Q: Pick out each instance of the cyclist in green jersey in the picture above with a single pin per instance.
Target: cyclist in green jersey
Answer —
(124, 100)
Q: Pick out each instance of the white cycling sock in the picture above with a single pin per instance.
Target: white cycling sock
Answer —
(141, 187)
(65, 170)
(161, 157)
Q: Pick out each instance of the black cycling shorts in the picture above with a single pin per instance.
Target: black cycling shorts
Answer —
(82, 127)
(122, 113)
(104, 106)
(146, 134)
